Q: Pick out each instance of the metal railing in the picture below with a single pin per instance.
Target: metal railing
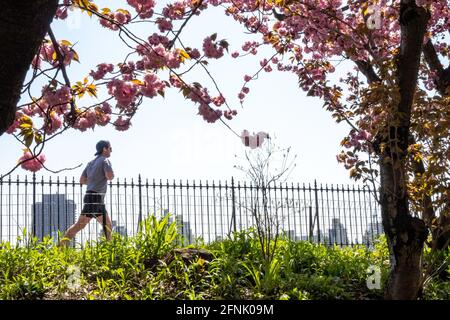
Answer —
(343, 215)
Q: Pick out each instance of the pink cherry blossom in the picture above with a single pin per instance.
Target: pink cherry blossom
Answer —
(152, 85)
(211, 49)
(31, 163)
(229, 114)
(52, 123)
(122, 124)
(218, 101)
(106, 108)
(123, 91)
(164, 24)
(102, 70)
(209, 115)
(143, 7)
(193, 53)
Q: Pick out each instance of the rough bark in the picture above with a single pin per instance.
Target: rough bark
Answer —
(23, 25)
(405, 234)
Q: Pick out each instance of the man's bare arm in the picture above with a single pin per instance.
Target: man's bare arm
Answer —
(109, 175)
(83, 180)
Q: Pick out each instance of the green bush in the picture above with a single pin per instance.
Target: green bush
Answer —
(139, 268)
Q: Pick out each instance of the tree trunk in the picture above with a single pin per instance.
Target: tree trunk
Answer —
(405, 234)
(23, 25)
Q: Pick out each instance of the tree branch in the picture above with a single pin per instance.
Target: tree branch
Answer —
(432, 59)
(367, 69)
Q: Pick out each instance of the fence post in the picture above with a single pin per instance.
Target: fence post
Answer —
(140, 202)
(233, 211)
(34, 204)
(317, 210)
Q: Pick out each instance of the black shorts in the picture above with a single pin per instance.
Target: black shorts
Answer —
(94, 204)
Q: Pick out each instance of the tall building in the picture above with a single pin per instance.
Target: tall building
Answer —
(292, 235)
(374, 229)
(184, 227)
(122, 230)
(54, 213)
(337, 233)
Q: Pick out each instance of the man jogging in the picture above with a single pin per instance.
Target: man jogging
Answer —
(96, 176)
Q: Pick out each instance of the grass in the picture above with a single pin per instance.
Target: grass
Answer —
(151, 265)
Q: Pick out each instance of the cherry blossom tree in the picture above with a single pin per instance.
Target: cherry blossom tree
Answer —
(396, 99)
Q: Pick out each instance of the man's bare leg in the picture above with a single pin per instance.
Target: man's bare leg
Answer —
(74, 229)
(107, 225)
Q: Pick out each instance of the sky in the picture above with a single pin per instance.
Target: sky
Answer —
(168, 140)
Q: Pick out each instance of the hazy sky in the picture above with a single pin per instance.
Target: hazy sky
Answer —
(169, 140)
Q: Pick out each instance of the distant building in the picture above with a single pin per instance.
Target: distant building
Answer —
(122, 230)
(55, 213)
(337, 233)
(184, 227)
(372, 232)
(291, 235)
(314, 238)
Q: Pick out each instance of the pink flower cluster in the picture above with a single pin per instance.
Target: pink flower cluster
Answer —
(114, 19)
(218, 101)
(357, 139)
(122, 124)
(52, 123)
(157, 57)
(30, 162)
(199, 95)
(47, 54)
(152, 85)
(156, 39)
(56, 99)
(265, 64)
(143, 7)
(176, 81)
(61, 13)
(251, 46)
(52, 106)
(209, 114)
(175, 11)
(244, 91)
(229, 114)
(212, 49)
(164, 24)
(123, 91)
(86, 120)
(103, 114)
(347, 160)
(193, 53)
(102, 70)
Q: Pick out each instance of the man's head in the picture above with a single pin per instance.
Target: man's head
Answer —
(103, 148)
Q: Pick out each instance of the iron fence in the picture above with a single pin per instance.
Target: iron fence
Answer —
(343, 215)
